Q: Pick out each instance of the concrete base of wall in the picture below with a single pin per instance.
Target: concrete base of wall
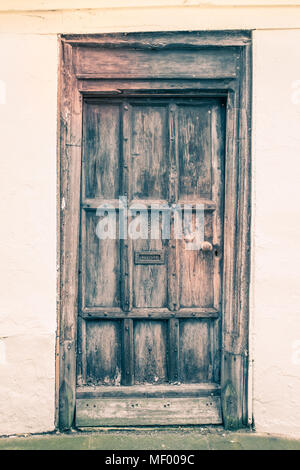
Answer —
(197, 439)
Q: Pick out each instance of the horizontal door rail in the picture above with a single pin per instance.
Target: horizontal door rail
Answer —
(163, 313)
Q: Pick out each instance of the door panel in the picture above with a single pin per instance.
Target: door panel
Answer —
(198, 352)
(100, 266)
(195, 151)
(197, 265)
(150, 287)
(150, 308)
(101, 141)
(149, 166)
(103, 352)
(150, 352)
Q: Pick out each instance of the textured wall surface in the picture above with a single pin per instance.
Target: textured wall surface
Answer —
(28, 109)
(28, 71)
(276, 231)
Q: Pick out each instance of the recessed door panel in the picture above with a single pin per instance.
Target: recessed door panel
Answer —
(103, 352)
(100, 265)
(101, 151)
(149, 144)
(150, 352)
(195, 150)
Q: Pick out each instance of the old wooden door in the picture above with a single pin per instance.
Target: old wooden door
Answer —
(149, 324)
(142, 117)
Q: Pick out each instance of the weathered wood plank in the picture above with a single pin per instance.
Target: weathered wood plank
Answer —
(127, 353)
(103, 352)
(126, 242)
(218, 139)
(234, 386)
(197, 351)
(150, 313)
(150, 346)
(191, 87)
(101, 149)
(173, 259)
(194, 147)
(149, 165)
(150, 391)
(100, 265)
(178, 39)
(115, 63)
(70, 174)
(92, 204)
(234, 376)
(196, 277)
(148, 411)
(149, 179)
(173, 355)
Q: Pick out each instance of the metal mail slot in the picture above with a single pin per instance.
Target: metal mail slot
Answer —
(149, 257)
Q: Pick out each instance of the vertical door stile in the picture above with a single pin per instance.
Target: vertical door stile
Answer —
(216, 196)
(81, 339)
(174, 350)
(173, 269)
(127, 353)
(217, 159)
(81, 333)
(126, 253)
(126, 256)
(81, 329)
(229, 215)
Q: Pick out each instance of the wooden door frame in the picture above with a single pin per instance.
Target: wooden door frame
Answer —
(230, 78)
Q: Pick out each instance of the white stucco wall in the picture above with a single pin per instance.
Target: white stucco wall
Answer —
(276, 231)
(28, 70)
(28, 110)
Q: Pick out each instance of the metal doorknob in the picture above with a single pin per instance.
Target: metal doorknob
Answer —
(206, 246)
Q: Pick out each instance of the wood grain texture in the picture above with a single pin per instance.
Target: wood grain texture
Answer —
(149, 166)
(174, 350)
(151, 411)
(126, 244)
(127, 353)
(194, 148)
(150, 346)
(150, 313)
(93, 88)
(161, 40)
(151, 391)
(197, 273)
(234, 377)
(112, 63)
(101, 150)
(149, 281)
(69, 220)
(198, 351)
(165, 142)
(100, 266)
(103, 352)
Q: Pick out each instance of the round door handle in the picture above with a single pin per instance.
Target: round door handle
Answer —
(189, 237)
(206, 246)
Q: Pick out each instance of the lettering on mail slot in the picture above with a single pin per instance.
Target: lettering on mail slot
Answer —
(149, 257)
